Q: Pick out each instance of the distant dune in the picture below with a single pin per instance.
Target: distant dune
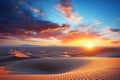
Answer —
(62, 69)
(109, 54)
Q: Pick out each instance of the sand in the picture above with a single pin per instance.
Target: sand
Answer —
(93, 68)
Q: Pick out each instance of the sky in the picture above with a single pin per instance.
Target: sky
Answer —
(60, 22)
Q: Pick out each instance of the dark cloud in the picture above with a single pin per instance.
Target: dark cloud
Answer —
(6, 37)
(113, 30)
(40, 29)
(16, 11)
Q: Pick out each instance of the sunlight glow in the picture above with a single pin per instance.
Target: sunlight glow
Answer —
(89, 45)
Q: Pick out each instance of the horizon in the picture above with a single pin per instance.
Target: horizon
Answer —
(28, 45)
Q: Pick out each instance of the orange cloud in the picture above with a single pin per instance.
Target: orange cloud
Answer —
(65, 8)
(105, 38)
(77, 35)
(73, 31)
(116, 42)
(56, 28)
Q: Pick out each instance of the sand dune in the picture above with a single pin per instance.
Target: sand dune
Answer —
(17, 53)
(108, 54)
(44, 66)
(63, 69)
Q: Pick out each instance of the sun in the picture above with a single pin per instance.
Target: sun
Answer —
(89, 45)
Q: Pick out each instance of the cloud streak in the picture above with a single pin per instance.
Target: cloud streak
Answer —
(116, 42)
(76, 35)
(113, 30)
(96, 22)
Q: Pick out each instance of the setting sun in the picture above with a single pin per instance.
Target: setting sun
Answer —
(89, 45)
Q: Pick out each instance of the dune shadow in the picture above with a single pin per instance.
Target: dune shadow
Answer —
(45, 66)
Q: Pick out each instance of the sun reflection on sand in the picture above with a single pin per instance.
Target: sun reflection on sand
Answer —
(18, 53)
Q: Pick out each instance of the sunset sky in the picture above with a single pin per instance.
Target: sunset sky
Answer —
(60, 22)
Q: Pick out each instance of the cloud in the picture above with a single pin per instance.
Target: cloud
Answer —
(105, 38)
(113, 30)
(65, 8)
(83, 27)
(45, 30)
(55, 28)
(96, 22)
(73, 32)
(41, 29)
(17, 11)
(118, 18)
(52, 39)
(18, 21)
(116, 42)
(77, 35)
(37, 12)
(6, 37)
